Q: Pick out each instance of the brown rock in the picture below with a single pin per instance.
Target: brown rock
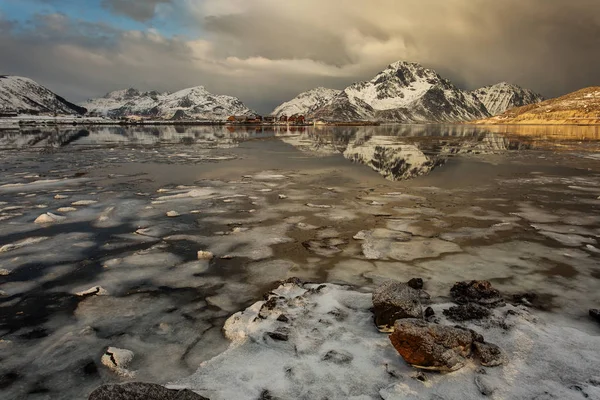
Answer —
(431, 346)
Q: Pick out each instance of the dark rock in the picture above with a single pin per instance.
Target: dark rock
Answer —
(338, 357)
(268, 306)
(145, 391)
(431, 346)
(266, 395)
(294, 280)
(280, 335)
(393, 301)
(420, 376)
(90, 368)
(415, 283)
(338, 314)
(489, 354)
(480, 292)
(595, 313)
(283, 318)
(429, 312)
(467, 312)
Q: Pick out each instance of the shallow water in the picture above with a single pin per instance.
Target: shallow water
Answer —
(517, 206)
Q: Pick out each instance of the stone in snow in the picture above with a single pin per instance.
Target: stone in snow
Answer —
(395, 300)
(595, 313)
(467, 312)
(205, 255)
(431, 346)
(437, 347)
(489, 354)
(118, 360)
(480, 292)
(145, 391)
(49, 218)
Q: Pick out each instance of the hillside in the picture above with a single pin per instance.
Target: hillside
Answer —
(306, 103)
(580, 107)
(25, 96)
(503, 96)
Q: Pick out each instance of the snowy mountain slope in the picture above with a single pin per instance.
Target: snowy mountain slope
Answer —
(404, 92)
(580, 107)
(25, 96)
(306, 103)
(503, 96)
(195, 102)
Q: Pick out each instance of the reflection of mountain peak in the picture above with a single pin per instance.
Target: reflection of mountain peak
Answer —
(393, 160)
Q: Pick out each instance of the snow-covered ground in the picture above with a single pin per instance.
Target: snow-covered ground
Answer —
(127, 262)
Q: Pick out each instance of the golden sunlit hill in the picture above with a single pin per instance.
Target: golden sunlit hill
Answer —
(580, 107)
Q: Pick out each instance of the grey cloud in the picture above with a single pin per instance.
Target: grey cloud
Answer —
(266, 52)
(140, 10)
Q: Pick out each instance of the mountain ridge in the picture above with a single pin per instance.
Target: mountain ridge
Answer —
(404, 92)
(189, 103)
(25, 96)
(503, 96)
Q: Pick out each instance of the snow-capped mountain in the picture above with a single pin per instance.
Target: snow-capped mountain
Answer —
(404, 92)
(25, 96)
(191, 103)
(306, 103)
(503, 96)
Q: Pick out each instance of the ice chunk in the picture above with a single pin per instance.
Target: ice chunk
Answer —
(49, 218)
(96, 290)
(84, 203)
(21, 243)
(205, 255)
(66, 209)
(118, 360)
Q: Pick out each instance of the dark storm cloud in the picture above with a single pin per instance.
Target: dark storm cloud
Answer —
(266, 52)
(140, 10)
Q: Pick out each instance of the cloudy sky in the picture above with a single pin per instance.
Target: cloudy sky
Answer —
(267, 51)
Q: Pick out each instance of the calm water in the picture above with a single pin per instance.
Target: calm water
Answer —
(515, 205)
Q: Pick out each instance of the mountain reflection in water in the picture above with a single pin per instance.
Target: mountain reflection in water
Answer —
(397, 152)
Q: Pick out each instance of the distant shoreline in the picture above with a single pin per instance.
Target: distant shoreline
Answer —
(12, 123)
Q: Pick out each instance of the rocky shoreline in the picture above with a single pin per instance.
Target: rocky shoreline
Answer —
(308, 340)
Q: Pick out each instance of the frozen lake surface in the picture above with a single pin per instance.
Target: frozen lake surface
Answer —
(101, 229)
